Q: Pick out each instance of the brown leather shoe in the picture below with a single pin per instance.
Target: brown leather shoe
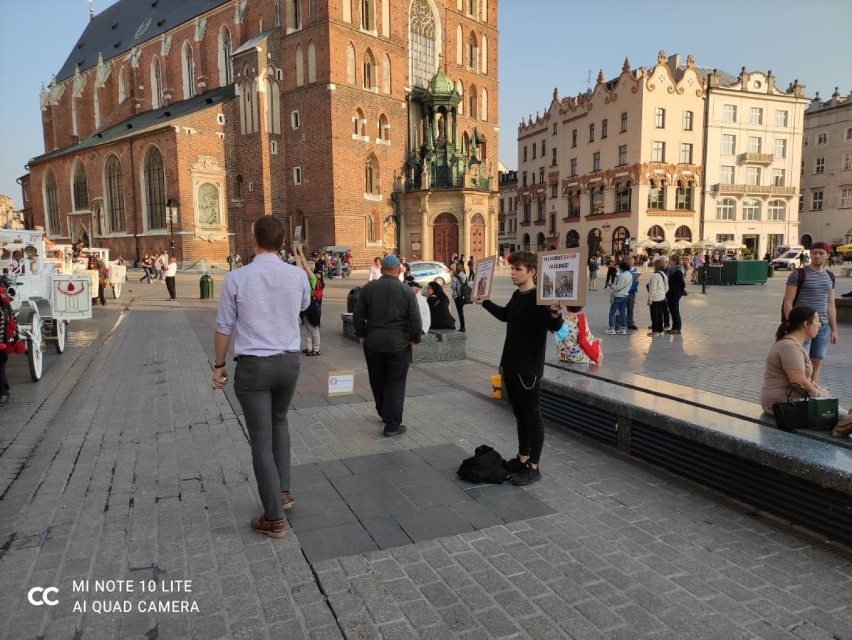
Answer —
(271, 528)
(287, 501)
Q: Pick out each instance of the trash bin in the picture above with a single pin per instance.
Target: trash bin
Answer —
(497, 386)
(352, 298)
(770, 270)
(206, 284)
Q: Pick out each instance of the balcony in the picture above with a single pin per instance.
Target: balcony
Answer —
(753, 190)
(757, 158)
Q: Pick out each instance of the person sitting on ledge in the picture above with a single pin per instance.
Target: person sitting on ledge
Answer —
(439, 307)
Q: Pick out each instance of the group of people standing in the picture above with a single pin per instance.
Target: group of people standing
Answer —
(161, 267)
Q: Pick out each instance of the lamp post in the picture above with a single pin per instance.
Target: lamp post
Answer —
(172, 213)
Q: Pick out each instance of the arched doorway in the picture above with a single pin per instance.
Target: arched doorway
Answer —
(445, 237)
(657, 233)
(525, 243)
(83, 234)
(683, 233)
(572, 240)
(619, 238)
(477, 236)
(806, 241)
(594, 240)
(541, 243)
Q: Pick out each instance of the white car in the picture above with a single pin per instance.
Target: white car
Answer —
(424, 272)
(790, 260)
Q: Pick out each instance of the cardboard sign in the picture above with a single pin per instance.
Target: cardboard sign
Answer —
(341, 383)
(297, 237)
(562, 277)
(484, 276)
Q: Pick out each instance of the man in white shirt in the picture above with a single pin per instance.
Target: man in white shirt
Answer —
(170, 273)
(425, 314)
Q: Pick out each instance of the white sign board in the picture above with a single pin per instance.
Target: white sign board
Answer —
(341, 383)
(71, 296)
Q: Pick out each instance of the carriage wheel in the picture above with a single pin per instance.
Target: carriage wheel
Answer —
(116, 290)
(35, 355)
(61, 334)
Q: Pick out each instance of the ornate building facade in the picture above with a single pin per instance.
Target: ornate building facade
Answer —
(369, 124)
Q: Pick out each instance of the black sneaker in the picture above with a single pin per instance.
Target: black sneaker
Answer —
(515, 465)
(527, 476)
(397, 430)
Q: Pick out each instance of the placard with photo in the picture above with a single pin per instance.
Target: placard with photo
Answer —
(562, 276)
(483, 277)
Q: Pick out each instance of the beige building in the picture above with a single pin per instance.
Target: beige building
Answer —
(626, 160)
(825, 207)
(508, 213)
(754, 133)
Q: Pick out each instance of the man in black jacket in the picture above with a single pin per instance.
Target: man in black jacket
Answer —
(388, 326)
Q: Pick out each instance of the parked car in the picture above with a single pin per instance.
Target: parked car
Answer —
(425, 271)
(790, 259)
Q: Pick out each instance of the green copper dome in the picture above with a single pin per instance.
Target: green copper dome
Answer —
(441, 85)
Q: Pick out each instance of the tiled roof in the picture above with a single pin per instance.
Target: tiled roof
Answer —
(144, 122)
(129, 23)
(256, 40)
(725, 79)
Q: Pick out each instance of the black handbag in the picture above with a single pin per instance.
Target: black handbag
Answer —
(792, 414)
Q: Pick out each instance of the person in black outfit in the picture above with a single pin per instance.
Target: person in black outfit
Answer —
(522, 361)
(388, 326)
(439, 307)
(677, 289)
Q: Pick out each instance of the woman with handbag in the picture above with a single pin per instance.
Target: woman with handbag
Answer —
(658, 286)
(787, 363)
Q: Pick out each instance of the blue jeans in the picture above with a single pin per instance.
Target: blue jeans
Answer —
(817, 347)
(619, 306)
(264, 388)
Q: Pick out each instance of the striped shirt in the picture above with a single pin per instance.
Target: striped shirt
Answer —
(814, 291)
(263, 301)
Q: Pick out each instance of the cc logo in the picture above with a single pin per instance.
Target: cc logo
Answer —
(39, 596)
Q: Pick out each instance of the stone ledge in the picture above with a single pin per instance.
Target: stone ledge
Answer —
(844, 309)
(439, 345)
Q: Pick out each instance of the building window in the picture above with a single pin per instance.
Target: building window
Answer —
(534, 151)
(802, 168)
(553, 158)
(755, 144)
(472, 53)
(845, 198)
(574, 204)
(596, 161)
(543, 148)
(687, 120)
(729, 144)
(819, 165)
(384, 128)
(294, 15)
(847, 161)
(156, 84)
(572, 240)
(657, 195)
(541, 175)
(554, 128)
(596, 201)
(849, 133)
(604, 129)
(751, 210)
(686, 153)
(525, 154)
(622, 197)
(683, 196)
(780, 148)
(660, 118)
(295, 120)
(81, 188)
(188, 66)
(226, 70)
(386, 74)
(541, 211)
(776, 211)
(359, 124)
(527, 211)
(114, 195)
(554, 190)
(122, 86)
(51, 203)
(312, 62)
(753, 176)
(729, 113)
(622, 154)
(726, 174)
(368, 17)
(297, 175)
(623, 122)
(779, 177)
(755, 115)
(801, 202)
(273, 107)
(658, 151)
(816, 200)
(592, 132)
(155, 190)
(726, 209)
(350, 64)
(300, 66)
(574, 138)
(472, 103)
(369, 76)
(804, 141)
(524, 179)
(822, 139)
(422, 38)
(573, 166)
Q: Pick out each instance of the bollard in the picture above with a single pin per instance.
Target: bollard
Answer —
(497, 386)
(206, 284)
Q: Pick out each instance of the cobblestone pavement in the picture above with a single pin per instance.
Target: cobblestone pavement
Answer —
(123, 464)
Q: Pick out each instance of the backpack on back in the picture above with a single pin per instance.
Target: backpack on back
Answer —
(486, 465)
(466, 292)
(800, 279)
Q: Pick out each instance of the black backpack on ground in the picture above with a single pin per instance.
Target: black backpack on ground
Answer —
(486, 465)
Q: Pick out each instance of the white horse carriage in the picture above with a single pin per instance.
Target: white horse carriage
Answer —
(62, 256)
(44, 299)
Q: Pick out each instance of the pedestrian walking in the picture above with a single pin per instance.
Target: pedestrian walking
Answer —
(262, 302)
(387, 323)
(594, 265)
(470, 264)
(522, 362)
(631, 295)
(618, 298)
(657, 288)
(170, 274)
(148, 268)
(814, 285)
(458, 283)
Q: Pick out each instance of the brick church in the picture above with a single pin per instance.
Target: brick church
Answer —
(368, 123)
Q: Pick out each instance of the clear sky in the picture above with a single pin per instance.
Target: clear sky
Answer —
(543, 44)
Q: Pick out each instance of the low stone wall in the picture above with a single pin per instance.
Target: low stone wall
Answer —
(844, 309)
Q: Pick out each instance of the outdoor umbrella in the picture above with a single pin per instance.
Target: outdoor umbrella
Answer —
(663, 244)
(733, 244)
(647, 243)
(682, 244)
(844, 248)
(704, 244)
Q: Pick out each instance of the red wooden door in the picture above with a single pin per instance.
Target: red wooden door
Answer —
(477, 237)
(445, 238)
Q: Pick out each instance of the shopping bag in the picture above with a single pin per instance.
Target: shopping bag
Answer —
(792, 414)
(822, 414)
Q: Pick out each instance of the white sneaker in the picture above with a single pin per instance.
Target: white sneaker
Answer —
(622, 332)
(610, 332)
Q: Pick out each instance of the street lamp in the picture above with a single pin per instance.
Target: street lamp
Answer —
(172, 214)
